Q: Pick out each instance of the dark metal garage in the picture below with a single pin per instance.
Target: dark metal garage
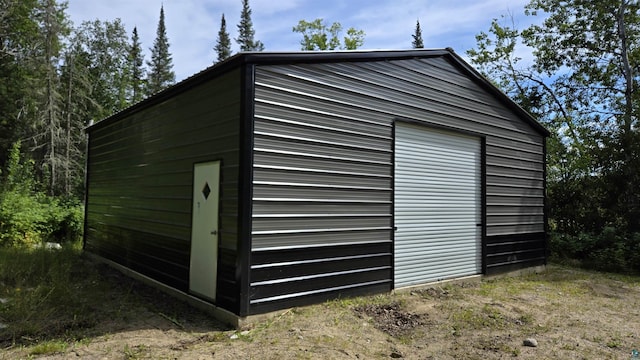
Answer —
(274, 180)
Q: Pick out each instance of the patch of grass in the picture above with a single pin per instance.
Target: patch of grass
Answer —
(525, 319)
(352, 302)
(488, 286)
(330, 342)
(48, 293)
(515, 352)
(59, 295)
(498, 344)
(615, 341)
(556, 283)
(283, 320)
(597, 339)
(134, 352)
(505, 288)
(569, 347)
(487, 317)
(48, 348)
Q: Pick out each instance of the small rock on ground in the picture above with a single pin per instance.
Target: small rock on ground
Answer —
(530, 342)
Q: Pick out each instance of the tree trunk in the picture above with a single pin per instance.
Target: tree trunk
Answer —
(626, 137)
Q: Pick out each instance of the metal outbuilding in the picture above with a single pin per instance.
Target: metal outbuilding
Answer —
(273, 180)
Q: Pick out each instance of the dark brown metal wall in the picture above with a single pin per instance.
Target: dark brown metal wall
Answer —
(140, 174)
(323, 167)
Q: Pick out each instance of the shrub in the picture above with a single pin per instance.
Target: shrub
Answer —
(610, 250)
(29, 216)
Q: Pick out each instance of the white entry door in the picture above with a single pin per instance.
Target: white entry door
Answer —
(203, 269)
(437, 205)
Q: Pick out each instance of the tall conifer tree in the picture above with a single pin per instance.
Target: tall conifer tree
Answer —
(223, 45)
(48, 136)
(136, 63)
(246, 32)
(161, 73)
(417, 42)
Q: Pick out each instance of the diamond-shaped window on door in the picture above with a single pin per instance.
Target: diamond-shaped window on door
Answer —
(206, 191)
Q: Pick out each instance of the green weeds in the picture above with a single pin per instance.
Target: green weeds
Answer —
(49, 347)
(41, 289)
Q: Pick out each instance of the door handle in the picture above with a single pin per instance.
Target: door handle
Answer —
(214, 232)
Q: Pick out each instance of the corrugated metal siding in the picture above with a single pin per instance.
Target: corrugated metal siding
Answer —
(438, 205)
(140, 178)
(323, 135)
(322, 185)
(296, 276)
(514, 251)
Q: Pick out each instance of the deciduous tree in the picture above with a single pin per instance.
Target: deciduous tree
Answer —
(594, 49)
(583, 84)
(318, 35)
(104, 46)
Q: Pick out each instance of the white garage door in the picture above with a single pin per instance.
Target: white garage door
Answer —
(437, 205)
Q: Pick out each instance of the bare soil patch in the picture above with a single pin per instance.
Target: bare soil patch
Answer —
(390, 318)
(571, 313)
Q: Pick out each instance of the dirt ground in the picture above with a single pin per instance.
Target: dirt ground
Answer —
(571, 313)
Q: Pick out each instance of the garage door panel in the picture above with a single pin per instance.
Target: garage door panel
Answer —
(454, 271)
(440, 254)
(437, 205)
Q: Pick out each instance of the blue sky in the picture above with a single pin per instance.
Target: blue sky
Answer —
(192, 25)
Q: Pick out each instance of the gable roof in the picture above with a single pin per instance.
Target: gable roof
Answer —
(301, 57)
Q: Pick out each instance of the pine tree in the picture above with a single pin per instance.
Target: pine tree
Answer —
(223, 45)
(136, 62)
(417, 37)
(48, 138)
(161, 73)
(246, 32)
